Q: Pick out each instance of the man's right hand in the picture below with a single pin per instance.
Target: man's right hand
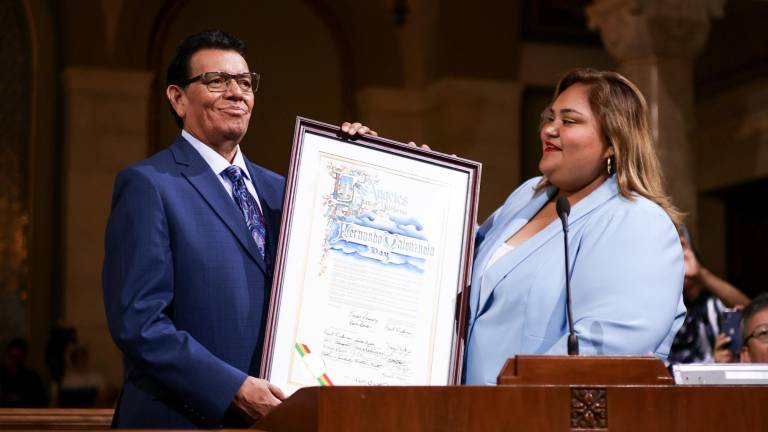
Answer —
(691, 263)
(255, 398)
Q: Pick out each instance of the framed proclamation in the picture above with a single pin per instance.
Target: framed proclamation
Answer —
(373, 263)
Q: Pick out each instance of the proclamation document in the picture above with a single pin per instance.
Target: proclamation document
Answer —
(372, 267)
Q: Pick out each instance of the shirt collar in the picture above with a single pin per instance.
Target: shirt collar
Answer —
(216, 161)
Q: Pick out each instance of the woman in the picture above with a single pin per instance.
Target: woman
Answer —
(625, 255)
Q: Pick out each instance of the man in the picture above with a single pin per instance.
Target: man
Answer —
(20, 387)
(707, 299)
(190, 245)
(754, 330)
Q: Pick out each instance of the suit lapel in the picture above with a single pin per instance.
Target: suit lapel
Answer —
(204, 180)
(514, 220)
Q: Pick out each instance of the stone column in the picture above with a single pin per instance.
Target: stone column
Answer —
(106, 130)
(655, 43)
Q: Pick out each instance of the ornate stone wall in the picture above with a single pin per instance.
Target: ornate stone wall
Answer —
(15, 85)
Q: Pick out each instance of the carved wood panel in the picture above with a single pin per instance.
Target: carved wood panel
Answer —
(589, 408)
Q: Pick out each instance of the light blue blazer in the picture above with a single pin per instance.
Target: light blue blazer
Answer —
(627, 281)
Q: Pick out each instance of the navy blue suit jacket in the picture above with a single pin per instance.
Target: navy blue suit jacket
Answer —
(185, 288)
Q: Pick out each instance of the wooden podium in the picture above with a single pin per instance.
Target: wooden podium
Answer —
(535, 393)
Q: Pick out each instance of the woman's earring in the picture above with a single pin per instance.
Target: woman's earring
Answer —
(609, 167)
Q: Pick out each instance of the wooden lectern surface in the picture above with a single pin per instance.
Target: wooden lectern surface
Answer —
(570, 370)
(538, 393)
(545, 394)
(524, 408)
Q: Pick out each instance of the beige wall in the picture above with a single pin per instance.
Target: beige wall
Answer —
(731, 142)
(106, 130)
(732, 136)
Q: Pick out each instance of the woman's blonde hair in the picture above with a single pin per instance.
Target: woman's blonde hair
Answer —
(623, 118)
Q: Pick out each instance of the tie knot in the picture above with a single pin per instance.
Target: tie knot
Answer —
(233, 173)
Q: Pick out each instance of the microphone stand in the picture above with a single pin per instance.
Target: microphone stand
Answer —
(563, 210)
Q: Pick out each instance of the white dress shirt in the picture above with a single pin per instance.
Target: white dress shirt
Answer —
(218, 164)
(503, 249)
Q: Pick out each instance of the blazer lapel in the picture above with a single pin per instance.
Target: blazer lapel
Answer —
(204, 180)
(489, 279)
(510, 222)
(606, 191)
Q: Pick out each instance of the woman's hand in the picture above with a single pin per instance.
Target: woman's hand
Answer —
(424, 146)
(357, 129)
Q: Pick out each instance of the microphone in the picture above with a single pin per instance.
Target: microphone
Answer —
(563, 208)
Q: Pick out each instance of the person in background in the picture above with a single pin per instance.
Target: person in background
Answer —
(754, 329)
(707, 299)
(81, 386)
(625, 255)
(20, 387)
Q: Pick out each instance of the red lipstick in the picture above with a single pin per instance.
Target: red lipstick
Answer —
(550, 147)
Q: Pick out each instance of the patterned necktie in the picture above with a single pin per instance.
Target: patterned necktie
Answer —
(253, 218)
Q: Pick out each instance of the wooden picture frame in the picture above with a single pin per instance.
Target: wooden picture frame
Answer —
(373, 263)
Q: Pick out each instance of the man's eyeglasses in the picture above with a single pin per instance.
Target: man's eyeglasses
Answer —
(760, 333)
(219, 81)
